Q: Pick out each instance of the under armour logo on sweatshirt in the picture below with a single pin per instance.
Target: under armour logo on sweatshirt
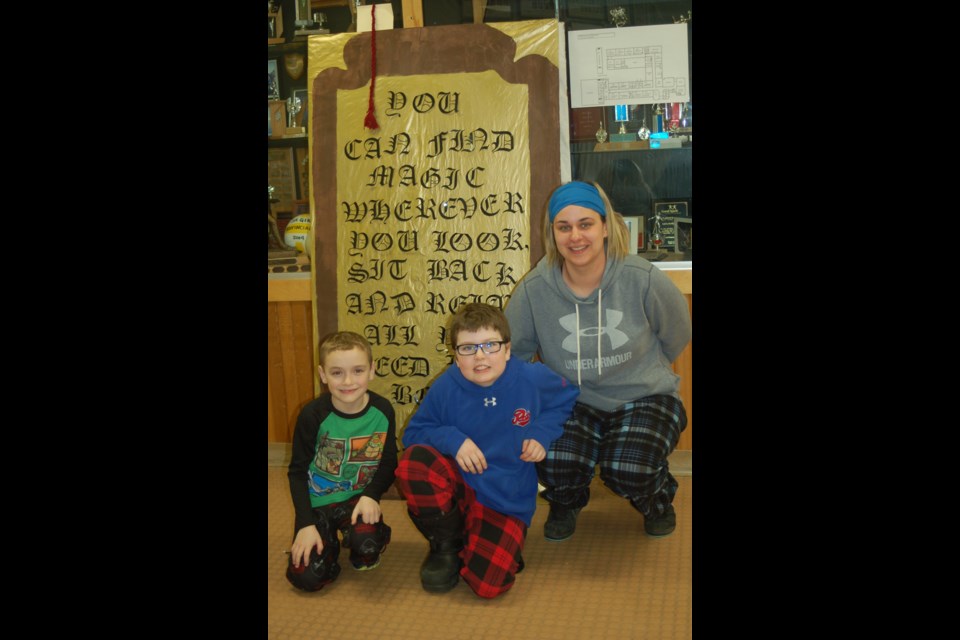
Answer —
(490, 402)
(614, 318)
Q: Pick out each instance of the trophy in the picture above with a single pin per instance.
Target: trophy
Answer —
(294, 107)
(601, 134)
(674, 114)
(658, 120)
(656, 238)
(618, 16)
(308, 24)
(303, 14)
(643, 133)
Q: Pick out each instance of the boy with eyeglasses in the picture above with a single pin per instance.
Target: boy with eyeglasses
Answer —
(467, 471)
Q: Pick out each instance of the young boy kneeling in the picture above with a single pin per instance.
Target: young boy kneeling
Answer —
(344, 456)
(467, 470)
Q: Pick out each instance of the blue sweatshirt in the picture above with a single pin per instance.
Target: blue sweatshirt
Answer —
(528, 401)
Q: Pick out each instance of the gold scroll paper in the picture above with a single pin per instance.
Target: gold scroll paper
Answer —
(434, 215)
(432, 209)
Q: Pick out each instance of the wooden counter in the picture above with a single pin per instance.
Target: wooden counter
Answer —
(288, 289)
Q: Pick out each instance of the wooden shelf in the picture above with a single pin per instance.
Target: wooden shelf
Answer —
(633, 145)
(326, 4)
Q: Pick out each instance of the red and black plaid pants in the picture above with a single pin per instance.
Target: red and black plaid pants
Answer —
(432, 483)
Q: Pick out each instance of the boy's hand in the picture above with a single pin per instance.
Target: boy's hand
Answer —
(532, 451)
(470, 458)
(368, 509)
(306, 539)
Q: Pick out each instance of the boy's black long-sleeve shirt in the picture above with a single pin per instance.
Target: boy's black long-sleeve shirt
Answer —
(337, 455)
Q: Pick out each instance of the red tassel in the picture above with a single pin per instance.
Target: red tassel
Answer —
(370, 122)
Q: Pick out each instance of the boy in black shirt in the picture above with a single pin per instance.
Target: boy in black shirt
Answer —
(343, 460)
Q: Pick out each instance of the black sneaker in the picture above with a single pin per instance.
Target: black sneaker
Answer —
(560, 524)
(662, 525)
(370, 553)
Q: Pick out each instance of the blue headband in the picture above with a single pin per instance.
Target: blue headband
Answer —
(578, 193)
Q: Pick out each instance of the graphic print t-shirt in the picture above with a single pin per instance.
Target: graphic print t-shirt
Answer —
(347, 454)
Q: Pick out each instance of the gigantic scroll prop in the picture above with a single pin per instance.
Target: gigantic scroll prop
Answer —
(433, 209)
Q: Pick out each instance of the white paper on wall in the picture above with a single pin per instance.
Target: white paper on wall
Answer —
(384, 17)
(629, 65)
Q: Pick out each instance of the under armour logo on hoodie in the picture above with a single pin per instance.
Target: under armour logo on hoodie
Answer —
(614, 318)
(490, 402)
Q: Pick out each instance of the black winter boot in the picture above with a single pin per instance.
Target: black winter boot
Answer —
(440, 572)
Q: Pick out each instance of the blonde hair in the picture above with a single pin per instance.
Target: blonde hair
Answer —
(344, 341)
(617, 242)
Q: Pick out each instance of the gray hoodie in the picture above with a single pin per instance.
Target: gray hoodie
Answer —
(643, 320)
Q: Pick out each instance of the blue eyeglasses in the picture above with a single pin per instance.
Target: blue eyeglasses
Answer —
(488, 347)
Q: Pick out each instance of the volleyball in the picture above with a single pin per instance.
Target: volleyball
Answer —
(297, 232)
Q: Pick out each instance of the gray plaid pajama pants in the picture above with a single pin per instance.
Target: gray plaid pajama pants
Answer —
(629, 444)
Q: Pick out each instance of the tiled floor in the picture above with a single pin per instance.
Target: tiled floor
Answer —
(610, 581)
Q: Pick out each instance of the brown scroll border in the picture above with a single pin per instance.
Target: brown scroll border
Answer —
(466, 48)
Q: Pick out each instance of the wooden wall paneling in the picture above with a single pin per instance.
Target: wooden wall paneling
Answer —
(305, 371)
(290, 361)
(271, 418)
(288, 349)
(276, 426)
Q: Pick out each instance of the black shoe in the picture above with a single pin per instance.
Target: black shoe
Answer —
(440, 571)
(662, 525)
(368, 547)
(560, 524)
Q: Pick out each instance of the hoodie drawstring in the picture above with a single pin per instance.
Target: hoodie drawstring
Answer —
(578, 343)
(599, 332)
(599, 336)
